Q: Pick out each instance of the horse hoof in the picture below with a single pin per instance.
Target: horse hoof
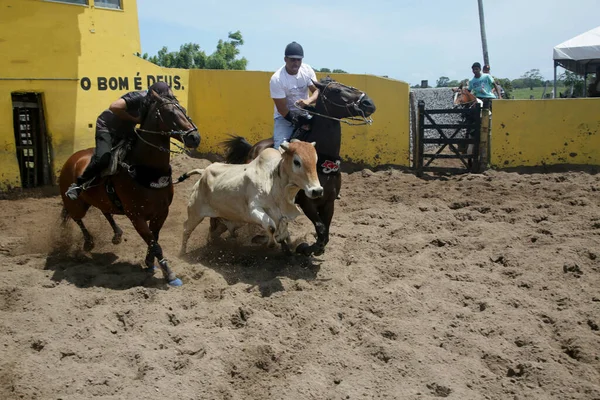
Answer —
(117, 239)
(88, 246)
(176, 282)
(319, 252)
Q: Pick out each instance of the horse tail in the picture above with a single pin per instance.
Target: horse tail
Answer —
(183, 177)
(237, 149)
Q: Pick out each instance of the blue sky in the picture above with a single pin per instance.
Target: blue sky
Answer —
(408, 40)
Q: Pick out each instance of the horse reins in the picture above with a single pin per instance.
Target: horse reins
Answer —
(354, 106)
(171, 133)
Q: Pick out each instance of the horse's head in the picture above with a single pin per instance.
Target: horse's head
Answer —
(166, 115)
(462, 97)
(341, 101)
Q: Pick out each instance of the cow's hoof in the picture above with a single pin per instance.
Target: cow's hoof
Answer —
(260, 239)
(117, 239)
(88, 245)
(176, 282)
(286, 249)
(304, 249)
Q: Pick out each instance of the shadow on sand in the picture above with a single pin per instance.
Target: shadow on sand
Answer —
(86, 270)
(257, 266)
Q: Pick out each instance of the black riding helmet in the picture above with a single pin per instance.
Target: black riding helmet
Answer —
(161, 88)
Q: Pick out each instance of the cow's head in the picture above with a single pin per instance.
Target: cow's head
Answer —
(300, 165)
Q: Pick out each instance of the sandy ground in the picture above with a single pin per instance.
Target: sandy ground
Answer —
(461, 287)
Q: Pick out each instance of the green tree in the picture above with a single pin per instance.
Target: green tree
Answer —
(442, 81)
(533, 78)
(191, 56)
(518, 83)
(327, 71)
(569, 79)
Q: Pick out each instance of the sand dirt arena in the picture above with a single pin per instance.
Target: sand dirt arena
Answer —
(460, 287)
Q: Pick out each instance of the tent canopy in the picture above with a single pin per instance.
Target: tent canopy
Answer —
(580, 54)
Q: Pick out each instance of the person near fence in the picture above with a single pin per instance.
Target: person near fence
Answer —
(594, 87)
(290, 86)
(486, 70)
(481, 86)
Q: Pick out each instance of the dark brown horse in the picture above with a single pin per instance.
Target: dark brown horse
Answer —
(142, 187)
(335, 102)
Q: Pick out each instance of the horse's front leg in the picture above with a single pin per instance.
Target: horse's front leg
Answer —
(118, 232)
(310, 210)
(154, 249)
(88, 243)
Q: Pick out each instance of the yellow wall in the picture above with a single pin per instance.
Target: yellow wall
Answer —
(81, 58)
(57, 49)
(239, 103)
(545, 132)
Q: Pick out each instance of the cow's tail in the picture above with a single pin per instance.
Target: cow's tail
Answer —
(237, 149)
(183, 177)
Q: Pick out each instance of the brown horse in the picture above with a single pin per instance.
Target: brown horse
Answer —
(463, 98)
(334, 103)
(142, 188)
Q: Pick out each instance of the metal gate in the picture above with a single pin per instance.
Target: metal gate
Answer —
(438, 141)
(31, 141)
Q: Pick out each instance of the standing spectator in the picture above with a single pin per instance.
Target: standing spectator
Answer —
(481, 86)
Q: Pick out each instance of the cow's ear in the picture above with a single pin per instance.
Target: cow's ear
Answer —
(313, 143)
(285, 146)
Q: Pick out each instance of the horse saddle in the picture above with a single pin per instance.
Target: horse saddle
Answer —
(117, 155)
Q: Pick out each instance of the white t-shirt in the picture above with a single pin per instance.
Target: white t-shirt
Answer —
(292, 87)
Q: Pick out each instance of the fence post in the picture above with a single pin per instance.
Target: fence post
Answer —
(484, 137)
(419, 142)
(413, 129)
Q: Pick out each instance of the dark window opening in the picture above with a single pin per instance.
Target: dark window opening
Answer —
(32, 142)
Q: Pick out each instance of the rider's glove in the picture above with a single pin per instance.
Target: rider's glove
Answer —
(288, 117)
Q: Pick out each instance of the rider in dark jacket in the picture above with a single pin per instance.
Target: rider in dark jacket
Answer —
(118, 121)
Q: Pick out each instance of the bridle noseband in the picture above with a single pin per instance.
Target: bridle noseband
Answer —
(354, 106)
(171, 133)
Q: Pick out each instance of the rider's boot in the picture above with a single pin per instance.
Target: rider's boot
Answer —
(91, 171)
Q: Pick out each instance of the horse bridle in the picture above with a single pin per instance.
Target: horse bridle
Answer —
(354, 106)
(171, 133)
(466, 104)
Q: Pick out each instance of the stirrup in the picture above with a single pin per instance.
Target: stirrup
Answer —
(73, 191)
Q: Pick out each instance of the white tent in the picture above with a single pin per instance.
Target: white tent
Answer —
(580, 54)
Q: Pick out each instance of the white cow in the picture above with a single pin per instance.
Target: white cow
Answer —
(261, 192)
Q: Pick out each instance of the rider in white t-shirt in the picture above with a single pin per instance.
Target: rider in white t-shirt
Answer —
(290, 87)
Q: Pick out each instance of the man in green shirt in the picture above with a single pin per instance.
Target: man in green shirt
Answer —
(481, 86)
